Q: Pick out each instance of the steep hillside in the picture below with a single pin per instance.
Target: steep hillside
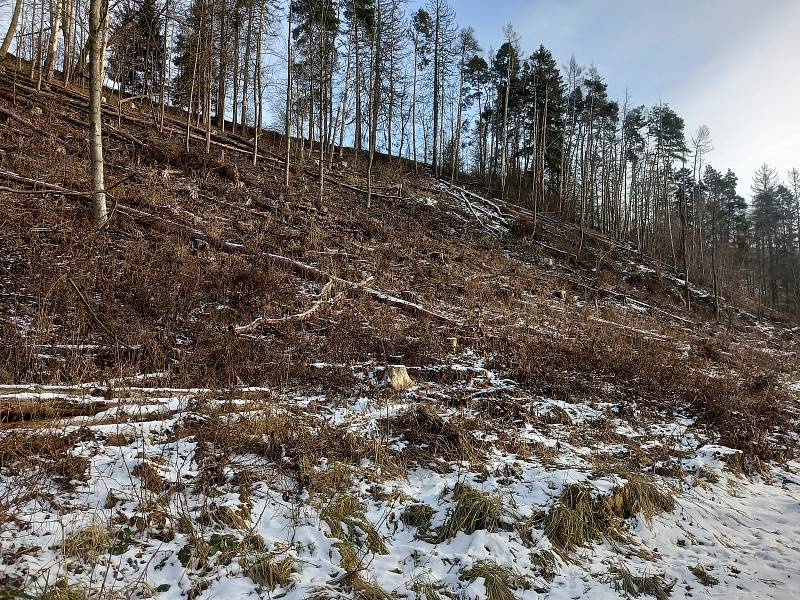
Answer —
(239, 389)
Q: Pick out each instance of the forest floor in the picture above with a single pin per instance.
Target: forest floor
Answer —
(203, 400)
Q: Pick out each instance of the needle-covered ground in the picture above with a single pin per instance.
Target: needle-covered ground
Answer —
(198, 400)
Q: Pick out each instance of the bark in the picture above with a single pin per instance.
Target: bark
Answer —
(55, 25)
(162, 92)
(96, 23)
(414, 104)
(12, 28)
(374, 99)
(436, 91)
(288, 116)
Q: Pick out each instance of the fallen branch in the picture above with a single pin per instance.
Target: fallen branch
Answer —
(302, 269)
(323, 300)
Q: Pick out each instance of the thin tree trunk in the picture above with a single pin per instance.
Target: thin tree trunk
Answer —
(258, 101)
(288, 115)
(96, 22)
(52, 46)
(12, 28)
(414, 105)
(164, 50)
(375, 87)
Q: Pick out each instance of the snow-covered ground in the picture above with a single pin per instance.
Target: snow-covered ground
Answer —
(209, 514)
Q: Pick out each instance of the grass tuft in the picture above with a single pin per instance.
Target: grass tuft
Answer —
(353, 565)
(575, 519)
(639, 496)
(418, 516)
(270, 573)
(430, 436)
(579, 518)
(88, 543)
(345, 517)
(499, 580)
(703, 576)
(636, 585)
(150, 478)
(475, 510)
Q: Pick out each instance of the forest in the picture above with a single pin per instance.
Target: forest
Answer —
(410, 83)
(324, 299)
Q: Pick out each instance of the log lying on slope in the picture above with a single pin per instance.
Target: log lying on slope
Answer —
(303, 269)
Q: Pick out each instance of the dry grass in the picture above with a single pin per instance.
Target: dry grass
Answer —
(353, 579)
(580, 517)
(575, 520)
(88, 543)
(270, 572)
(634, 586)
(500, 581)
(49, 454)
(475, 510)
(418, 516)
(703, 576)
(345, 518)
(296, 443)
(639, 496)
(149, 476)
(431, 436)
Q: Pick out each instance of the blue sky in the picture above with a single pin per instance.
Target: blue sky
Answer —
(731, 64)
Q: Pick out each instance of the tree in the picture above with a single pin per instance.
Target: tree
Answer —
(12, 28)
(96, 36)
(442, 24)
(374, 99)
(421, 28)
(360, 14)
(136, 52)
(288, 115)
(506, 66)
(467, 47)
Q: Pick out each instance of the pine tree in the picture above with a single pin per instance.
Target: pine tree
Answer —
(135, 49)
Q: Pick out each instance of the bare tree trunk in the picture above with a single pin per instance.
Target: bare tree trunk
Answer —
(164, 50)
(414, 105)
(198, 33)
(374, 93)
(96, 23)
(322, 106)
(258, 92)
(12, 28)
(359, 116)
(436, 90)
(52, 46)
(714, 255)
(222, 80)
(457, 141)
(504, 143)
(246, 65)
(236, 51)
(39, 46)
(66, 34)
(288, 116)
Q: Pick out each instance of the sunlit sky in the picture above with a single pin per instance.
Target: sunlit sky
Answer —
(733, 65)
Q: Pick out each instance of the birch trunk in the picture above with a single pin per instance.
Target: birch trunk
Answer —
(99, 212)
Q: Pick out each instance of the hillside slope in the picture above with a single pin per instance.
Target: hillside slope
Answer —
(204, 400)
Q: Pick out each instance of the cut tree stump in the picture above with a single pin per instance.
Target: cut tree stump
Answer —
(397, 378)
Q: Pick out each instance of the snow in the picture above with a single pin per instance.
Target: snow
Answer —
(744, 532)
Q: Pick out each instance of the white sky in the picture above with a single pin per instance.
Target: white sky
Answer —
(731, 64)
